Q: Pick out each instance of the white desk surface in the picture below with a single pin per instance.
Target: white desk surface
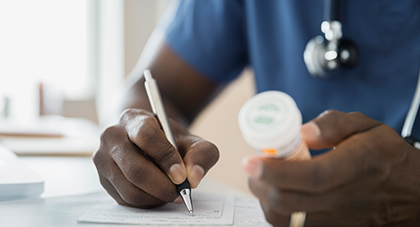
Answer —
(71, 189)
(65, 175)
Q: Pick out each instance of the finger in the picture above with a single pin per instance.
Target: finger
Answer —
(143, 173)
(274, 218)
(351, 160)
(143, 130)
(111, 190)
(126, 166)
(138, 198)
(122, 190)
(259, 188)
(311, 219)
(331, 127)
(286, 202)
(200, 156)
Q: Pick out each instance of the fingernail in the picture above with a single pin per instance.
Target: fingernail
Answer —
(252, 166)
(178, 200)
(310, 131)
(197, 174)
(177, 173)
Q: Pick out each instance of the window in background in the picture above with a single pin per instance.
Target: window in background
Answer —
(80, 48)
(43, 41)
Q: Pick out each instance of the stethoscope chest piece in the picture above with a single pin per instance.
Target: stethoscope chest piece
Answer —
(324, 56)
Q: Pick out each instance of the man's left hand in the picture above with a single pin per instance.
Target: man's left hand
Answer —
(370, 177)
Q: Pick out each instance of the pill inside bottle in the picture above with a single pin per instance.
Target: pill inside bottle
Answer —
(271, 123)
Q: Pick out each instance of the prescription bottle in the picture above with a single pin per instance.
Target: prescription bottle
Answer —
(271, 122)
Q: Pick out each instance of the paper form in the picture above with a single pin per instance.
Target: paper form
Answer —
(208, 210)
(248, 212)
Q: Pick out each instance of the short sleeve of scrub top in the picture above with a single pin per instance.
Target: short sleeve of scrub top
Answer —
(209, 35)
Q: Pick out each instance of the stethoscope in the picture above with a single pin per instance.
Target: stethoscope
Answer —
(324, 55)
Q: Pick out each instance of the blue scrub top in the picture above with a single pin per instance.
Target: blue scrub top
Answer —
(220, 37)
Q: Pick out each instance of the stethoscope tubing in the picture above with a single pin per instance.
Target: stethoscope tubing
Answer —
(407, 128)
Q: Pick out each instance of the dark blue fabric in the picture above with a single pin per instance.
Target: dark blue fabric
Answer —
(221, 37)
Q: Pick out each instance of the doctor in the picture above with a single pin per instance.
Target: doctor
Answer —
(365, 71)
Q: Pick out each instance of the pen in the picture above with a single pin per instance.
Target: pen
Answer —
(158, 108)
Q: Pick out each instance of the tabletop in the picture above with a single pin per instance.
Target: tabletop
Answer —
(71, 189)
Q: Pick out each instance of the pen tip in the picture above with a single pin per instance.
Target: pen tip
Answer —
(192, 213)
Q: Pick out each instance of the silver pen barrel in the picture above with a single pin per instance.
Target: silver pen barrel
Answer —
(158, 108)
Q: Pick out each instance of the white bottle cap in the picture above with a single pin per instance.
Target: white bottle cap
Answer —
(270, 120)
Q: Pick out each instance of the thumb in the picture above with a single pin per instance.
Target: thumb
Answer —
(331, 127)
(200, 156)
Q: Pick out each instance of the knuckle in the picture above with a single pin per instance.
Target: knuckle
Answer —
(107, 145)
(212, 151)
(357, 115)
(165, 155)
(389, 136)
(108, 133)
(331, 114)
(338, 118)
(126, 114)
(148, 131)
(97, 157)
(130, 113)
(136, 174)
(329, 122)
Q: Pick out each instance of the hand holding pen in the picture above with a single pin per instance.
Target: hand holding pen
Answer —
(153, 93)
(138, 165)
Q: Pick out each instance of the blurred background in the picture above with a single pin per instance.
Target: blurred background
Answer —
(62, 63)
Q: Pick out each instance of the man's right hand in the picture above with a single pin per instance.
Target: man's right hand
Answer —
(139, 167)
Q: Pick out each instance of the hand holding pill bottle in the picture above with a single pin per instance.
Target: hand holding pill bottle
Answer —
(271, 122)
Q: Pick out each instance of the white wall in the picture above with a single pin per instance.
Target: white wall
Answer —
(140, 18)
(124, 28)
